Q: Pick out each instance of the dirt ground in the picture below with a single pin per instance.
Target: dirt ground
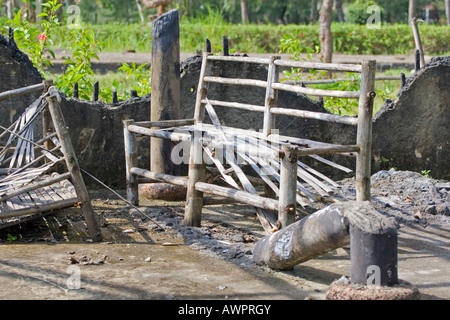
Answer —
(147, 253)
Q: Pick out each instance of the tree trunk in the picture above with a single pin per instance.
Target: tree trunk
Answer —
(411, 10)
(244, 11)
(313, 17)
(325, 37)
(339, 10)
(141, 15)
(447, 11)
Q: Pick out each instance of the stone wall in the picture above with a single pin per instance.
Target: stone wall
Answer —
(412, 131)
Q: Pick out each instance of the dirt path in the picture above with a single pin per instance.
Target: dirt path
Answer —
(149, 254)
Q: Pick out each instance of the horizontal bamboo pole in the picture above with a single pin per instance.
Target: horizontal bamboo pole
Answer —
(236, 81)
(176, 180)
(165, 123)
(319, 65)
(326, 81)
(35, 186)
(238, 195)
(173, 136)
(236, 105)
(41, 208)
(239, 59)
(327, 150)
(315, 115)
(317, 92)
(21, 91)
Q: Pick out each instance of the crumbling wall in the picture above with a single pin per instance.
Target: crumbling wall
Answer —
(16, 71)
(412, 131)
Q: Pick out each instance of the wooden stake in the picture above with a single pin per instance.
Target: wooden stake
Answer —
(288, 187)
(364, 132)
(197, 173)
(165, 97)
(130, 162)
(72, 164)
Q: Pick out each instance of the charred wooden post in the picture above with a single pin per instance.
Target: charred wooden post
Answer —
(364, 133)
(96, 91)
(75, 90)
(288, 187)
(226, 51)
(417, 59)
(165, 98)
(197, 173)
(373, 255)
(130, 162)
(114, 96)
(72, 164)
(208, 46)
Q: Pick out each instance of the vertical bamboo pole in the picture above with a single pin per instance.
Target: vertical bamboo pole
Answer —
(271, 96)
(197, 172)
(288, 187)
(165, 97)
(72, 164)
(364, 133)
(130, 162)
(202, 88)
(46, 118)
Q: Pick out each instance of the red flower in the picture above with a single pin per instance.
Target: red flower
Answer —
(42, 37)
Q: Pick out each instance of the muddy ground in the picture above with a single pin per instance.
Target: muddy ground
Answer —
(149, 254)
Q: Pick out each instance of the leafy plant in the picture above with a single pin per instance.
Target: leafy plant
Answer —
(426, 173)
(34, 39)
(79, 69)
(141, 75)
(11, 238)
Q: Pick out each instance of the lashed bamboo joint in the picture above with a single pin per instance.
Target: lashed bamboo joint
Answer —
(274, 158)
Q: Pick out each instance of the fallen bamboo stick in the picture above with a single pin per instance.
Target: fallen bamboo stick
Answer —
(316, 115)
(176, 180)
(236, 81)
(35, 186)
(41, 208)
(21, 91)
(319, 65)
(238, 195)
(317, 92)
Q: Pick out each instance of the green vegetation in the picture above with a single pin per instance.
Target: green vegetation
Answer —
(256, 38)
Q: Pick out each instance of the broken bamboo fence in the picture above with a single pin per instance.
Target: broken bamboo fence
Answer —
(274, 158)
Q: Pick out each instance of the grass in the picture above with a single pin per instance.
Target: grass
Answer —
(265, 38)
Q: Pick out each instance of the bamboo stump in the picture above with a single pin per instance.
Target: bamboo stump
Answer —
(165, 97)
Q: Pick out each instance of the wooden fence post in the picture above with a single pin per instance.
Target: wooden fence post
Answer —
(130, 162)
(364, 134)
(72, 164)
(197, 172)
(165, 97)
(288, 187)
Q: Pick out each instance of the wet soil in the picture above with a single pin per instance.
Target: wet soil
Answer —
(147, 252)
